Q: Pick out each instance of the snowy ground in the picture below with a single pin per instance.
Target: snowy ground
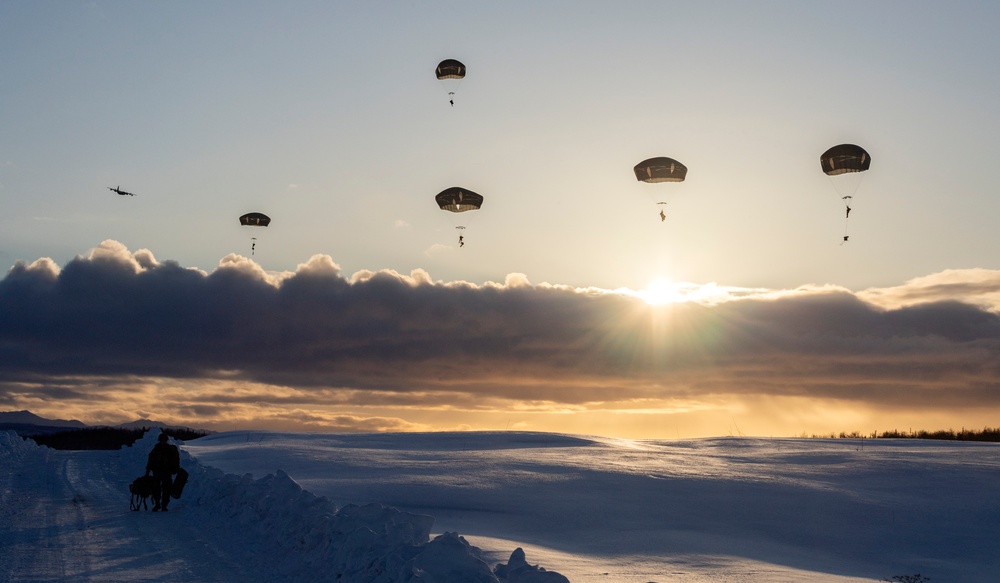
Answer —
(592, 509)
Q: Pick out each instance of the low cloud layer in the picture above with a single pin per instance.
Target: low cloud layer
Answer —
(116, 327)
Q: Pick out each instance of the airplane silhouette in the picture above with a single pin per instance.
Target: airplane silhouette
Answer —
(119, 191)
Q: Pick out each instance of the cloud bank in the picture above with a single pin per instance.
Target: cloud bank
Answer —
(120, 331)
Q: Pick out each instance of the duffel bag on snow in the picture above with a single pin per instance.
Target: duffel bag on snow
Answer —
(179, 482)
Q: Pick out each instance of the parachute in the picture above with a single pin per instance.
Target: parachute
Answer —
(451, 72)
(255, 220)
(458, 200)
(845, 158)
(660, 169)
(844, 164)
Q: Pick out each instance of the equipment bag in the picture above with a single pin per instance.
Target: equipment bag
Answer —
(179, 482)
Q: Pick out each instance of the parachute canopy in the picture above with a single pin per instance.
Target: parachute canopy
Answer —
(660, 170)
(845, 158)
(255, 220)
(450, 69)
(457, 200)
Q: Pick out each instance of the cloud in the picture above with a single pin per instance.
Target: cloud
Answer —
(980, 287)
(116, 323)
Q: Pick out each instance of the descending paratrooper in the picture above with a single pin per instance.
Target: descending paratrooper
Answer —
(660, 169)
(458, 200)
(845, 165)
(254, 220)
(451, 73)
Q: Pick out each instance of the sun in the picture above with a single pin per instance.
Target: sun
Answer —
(665, 291)
(661, 291)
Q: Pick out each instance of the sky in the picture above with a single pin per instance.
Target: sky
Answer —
(571, 306)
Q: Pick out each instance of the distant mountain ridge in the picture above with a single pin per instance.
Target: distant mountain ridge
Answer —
(145, 423)
(21, 421)
(29, 418)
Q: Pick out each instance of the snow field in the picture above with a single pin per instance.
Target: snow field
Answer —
(266, 529)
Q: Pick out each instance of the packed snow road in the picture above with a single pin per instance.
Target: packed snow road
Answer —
(64, 516)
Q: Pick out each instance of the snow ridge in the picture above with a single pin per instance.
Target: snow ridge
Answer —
(284, 532)
(13, 449)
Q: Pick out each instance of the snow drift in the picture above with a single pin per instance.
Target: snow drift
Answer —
(279, 531)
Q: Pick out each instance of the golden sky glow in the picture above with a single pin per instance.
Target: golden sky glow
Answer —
(117, 335)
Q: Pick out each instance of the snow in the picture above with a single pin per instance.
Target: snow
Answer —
(507, 506)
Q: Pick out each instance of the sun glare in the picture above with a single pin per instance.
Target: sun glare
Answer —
(664, 291)
(661, 291)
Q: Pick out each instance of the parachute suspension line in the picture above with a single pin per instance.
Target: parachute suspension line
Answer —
(847, 215)
(454, 83)
(451, 91)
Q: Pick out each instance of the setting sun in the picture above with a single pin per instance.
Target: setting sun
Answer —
(664, 291)
(661, 291)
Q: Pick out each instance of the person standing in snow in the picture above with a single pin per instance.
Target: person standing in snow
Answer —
(164, 462)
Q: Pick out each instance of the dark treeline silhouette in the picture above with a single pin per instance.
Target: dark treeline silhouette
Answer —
(105, 437)
(987, 434)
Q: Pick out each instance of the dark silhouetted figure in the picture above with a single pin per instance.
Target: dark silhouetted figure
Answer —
(846, 237)
(164, 461)
(461, 241)
(848, 212)
(663, 216)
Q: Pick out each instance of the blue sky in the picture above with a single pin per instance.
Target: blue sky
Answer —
(327, 117)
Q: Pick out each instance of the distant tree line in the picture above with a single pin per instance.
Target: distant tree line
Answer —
(986, 434)
(105, 437)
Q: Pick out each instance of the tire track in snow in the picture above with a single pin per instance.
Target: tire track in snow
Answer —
(33, 522)
(65, 517)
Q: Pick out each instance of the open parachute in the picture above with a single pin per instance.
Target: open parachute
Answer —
(844, 159)
(450, 72)
(458, 200)
(845, 165)
(661, 169)
(254, 220)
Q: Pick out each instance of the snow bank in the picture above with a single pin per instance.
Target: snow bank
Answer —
(14, 449)
(285, 532)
